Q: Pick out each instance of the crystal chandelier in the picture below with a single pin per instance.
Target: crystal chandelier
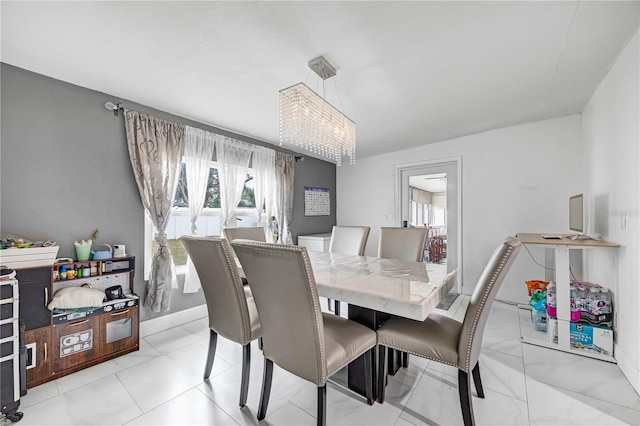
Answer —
(310, 122)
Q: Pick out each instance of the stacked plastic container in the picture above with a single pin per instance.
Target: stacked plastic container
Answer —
(591, 316)
(537, 293)
(590, 303)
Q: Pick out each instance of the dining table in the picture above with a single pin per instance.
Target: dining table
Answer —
(376, 289)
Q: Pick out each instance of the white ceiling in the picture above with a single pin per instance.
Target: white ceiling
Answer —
(436, 183)
(409, 73)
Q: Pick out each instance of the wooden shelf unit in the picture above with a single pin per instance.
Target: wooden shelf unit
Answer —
(68, 342)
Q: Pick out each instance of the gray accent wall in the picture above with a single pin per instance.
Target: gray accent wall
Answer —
(65, 171)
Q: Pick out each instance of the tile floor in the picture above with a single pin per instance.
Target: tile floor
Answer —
(162, 385)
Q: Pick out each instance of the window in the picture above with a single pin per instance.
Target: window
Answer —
(208, 222)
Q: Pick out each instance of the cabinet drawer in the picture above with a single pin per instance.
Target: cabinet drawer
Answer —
(75, 343)
(119, 330)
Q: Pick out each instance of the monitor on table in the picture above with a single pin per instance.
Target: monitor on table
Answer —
(576, 213)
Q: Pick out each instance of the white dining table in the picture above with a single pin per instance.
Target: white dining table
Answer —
(376, 289)
(396, 287)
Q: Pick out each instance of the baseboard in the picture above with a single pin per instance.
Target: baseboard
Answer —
(175, 319)
(628, 368)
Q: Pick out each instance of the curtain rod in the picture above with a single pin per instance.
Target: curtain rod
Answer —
(114, 107)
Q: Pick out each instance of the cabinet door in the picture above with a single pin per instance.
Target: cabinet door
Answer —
(75, 343)
(35, 289)
(119, 331)
(38, 342)
(314, 243)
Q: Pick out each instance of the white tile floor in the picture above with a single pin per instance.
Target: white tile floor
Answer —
(162, 385)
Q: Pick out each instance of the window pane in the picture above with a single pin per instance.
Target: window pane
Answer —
(248, 220)
(180, 224)
(439, 216)
(248, 198)
(212, 199)
(209, 221)
(182, 195)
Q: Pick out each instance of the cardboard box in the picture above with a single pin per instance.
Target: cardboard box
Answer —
(21, 258)
(588, 337)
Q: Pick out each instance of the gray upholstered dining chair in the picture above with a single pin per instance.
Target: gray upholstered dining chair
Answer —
(297, 336)
(255, 233)
(347, 240)
(232, 311)
(445, 340)
(402, 243)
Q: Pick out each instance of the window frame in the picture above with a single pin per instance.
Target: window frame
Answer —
(184, 211)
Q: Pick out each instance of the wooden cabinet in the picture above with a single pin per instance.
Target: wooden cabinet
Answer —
(75, 343)
(38, 344)
(35, 290)
(72, 341)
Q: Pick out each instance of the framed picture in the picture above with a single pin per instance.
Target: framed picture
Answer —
(317, 201)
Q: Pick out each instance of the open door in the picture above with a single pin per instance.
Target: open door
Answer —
(434, 201)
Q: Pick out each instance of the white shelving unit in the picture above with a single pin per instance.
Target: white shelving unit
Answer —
(562, 278)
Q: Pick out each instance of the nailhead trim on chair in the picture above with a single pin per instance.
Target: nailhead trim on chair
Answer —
(309, 271)
(239, 292)
(398, 348)
(482, 302)
(474, 325)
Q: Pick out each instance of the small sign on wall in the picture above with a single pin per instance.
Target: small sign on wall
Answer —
(317, 201)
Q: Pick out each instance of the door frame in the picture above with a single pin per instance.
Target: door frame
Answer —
(453, 166)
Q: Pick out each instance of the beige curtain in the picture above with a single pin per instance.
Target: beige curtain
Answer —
(283, 198)
(155, 149)
(421, 196)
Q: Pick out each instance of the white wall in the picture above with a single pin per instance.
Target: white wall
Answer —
(514, 179)
(611, 141)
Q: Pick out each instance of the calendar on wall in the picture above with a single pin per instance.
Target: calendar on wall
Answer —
(317, 201)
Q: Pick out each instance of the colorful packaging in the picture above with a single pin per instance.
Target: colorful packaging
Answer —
(588, 337)
(535, 285)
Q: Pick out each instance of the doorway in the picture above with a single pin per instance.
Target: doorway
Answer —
(428, 194)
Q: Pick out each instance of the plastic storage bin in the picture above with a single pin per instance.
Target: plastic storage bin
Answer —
(539, 320)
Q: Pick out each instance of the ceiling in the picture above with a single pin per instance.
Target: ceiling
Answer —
(409, 73)
(436, 182)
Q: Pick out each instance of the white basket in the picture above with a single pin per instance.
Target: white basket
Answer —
(21, 258)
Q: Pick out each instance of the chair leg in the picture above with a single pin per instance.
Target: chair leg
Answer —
(405, 360)
(246, 370)
(382, 372)
(368, 390)
(266, 388)
(477, 381)
(336, 308)
(464, 389)
(322, 405)
(213, 342)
